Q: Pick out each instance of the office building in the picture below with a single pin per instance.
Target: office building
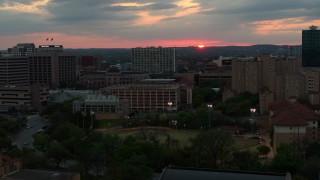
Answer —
(153, 60)
(14, 71)
(22, 49)
(53, 68)
(311, 47)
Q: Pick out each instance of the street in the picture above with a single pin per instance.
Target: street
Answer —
(24, 137)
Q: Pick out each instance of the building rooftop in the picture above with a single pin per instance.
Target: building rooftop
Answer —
(173, 173)
(291, 113)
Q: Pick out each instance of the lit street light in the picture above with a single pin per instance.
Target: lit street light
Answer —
(210, 106)
(252, 121)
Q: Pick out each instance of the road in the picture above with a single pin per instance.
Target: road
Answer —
(24, 137)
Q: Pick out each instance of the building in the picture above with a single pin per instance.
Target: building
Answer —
(50, 48)
(9, 165)
(101, 79)
(52, 68)
(295, 51)
(311, 47)
(153, 94)
(90, 63)
(22, 49)
(153, 60)
(23, 98)
(247, 75)
(14, 71)
(293, 123)
(172, 173)
(103, 107)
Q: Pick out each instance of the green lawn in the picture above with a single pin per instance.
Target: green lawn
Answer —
(108, 123)
(183, 137)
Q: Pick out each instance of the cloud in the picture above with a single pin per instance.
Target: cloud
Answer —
(282, 26)
(34, 7)
(152, 21)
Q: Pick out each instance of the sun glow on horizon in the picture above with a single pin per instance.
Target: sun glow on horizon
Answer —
(201, 46)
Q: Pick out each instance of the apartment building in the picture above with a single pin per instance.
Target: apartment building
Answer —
(53, 68)
(153, 60)
(246, 75)
(152, 94)
(101, 79)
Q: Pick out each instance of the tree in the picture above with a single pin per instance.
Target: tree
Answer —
(285, 160)
(58, 154)
(263, 150)
(41, 142)
(213, 147)
(245, 160)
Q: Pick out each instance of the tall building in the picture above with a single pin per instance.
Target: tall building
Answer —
(246, 75)
(153, 60)
(311, 47)
(53, 68)
(22, 49)
(14, 71)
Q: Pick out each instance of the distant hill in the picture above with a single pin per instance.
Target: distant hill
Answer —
(119, 55)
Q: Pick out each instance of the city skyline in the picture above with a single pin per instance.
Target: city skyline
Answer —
(132, 23)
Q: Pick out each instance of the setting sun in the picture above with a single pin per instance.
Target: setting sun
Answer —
(200, 46)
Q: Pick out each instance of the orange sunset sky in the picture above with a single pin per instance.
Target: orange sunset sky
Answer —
(131, 23)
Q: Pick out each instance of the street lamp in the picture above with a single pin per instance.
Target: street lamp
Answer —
(92, 114)
(83, 114)
(252, 110)
(210, 106)
(169, 104)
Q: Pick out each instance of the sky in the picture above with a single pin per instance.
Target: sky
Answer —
(141, 23)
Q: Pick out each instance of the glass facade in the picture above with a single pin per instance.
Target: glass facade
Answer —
(311, 48)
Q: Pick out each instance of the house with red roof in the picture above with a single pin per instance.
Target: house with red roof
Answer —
(9, 165)
(293, 123)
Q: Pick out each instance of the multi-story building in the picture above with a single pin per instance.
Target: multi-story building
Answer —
(295, 51)
(311, 47)
(53, 68)
(153, 60)
(100, 79)
(293, 123)
(103, 107)
(152, 94)
(90, 63)
(247, 75)
(50, 48)
(14, 71)
(22, 49)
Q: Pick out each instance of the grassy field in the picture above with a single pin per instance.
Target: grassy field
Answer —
(100, 124)
(182, 136)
